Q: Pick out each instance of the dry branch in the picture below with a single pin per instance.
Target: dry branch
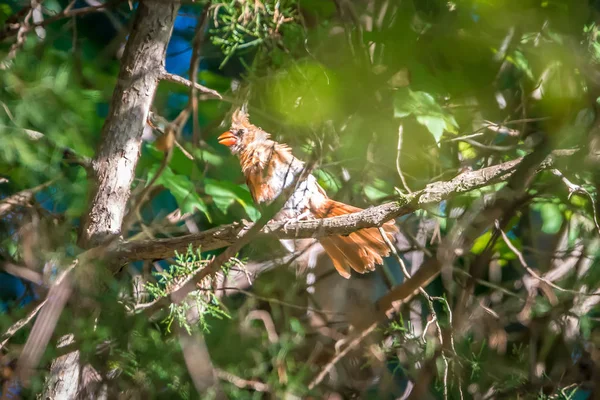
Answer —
(242, 383)
(353, 343)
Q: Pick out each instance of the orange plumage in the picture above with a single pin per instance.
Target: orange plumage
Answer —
(270, 167)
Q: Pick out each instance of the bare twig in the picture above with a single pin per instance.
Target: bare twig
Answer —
(197, 357)
(487, 146)
(573, 188)
(21, 198)
(21, 323)
(452, 346)
(434, 318)
(194, 65)
(187, 83)
(398, 156)
(270, 299)
(23, 272)
(498, 128)
(166, 127)
(329, 366)
(242, 383)
(21, 32)
(267, 321)
(273, 337)
(531, 271)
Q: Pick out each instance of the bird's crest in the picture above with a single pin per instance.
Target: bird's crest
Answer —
(240, 116)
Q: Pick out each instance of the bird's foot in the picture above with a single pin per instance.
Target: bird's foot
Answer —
(293, 220)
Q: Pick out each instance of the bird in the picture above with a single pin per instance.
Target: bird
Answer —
(270, 167)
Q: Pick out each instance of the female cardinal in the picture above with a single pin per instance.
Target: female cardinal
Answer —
(270, 167)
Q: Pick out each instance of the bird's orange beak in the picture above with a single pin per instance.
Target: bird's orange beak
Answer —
(227, 139)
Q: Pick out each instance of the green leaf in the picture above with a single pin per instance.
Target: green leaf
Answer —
(5, 12)
(373, 193)
(182, 188)
(426, 110)
(481, 243)
(213, 80)
(423, 99)
(467, 151)
(327, 180)
(208, 157)
(377, 189)
(579, 200)
(224, 193)
(552, 218)
(402, 112)
(521, 62)
(541, 307)
(434, 124)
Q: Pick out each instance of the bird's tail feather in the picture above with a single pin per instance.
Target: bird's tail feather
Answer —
(361, 250)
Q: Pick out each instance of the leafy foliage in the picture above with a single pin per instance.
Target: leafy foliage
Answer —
(241, 25)
(427, 112)
(205, 301)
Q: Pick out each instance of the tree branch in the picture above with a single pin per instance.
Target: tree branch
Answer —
(14, 28)
(21, 198)
(246, 236)
(226, 235)
(21, 323)
(242, 383)
(166, 76)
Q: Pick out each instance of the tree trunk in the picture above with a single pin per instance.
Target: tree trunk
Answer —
(116, 159)
(114, 165)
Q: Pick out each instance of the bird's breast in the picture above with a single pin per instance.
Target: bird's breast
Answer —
(307, 196)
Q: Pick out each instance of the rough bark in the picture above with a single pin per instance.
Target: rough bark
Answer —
(114, 166)
(116, 159)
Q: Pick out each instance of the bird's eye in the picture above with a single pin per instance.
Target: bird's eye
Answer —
(239, 132)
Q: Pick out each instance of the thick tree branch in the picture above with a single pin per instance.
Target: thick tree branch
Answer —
(225, 235)
(114, 166)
